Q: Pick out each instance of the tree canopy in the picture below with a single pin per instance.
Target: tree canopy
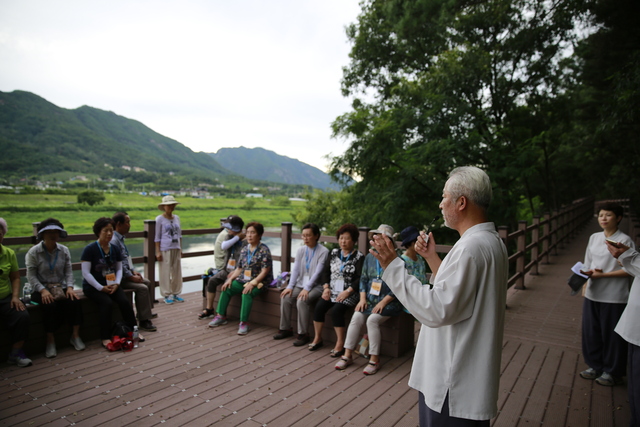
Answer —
(437, 84)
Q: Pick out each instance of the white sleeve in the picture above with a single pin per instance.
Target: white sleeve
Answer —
(449, 301)
(118, 272)
(226, 245)
(86, 275)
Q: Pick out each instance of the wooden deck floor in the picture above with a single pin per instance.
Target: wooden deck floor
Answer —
(188, 374)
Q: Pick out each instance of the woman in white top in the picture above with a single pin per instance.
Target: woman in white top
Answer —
(606, 295)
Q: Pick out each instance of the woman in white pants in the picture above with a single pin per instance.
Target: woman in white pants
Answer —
(377, 304)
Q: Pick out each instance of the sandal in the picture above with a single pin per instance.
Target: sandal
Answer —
(343, 363)
(371, 368)
(335, 353)
(206, 313)
(314, 347)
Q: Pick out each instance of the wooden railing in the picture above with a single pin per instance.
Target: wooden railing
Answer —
(529, 246)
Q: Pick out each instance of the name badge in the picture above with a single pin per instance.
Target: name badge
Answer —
(305, 280)
(231, 265)
(111, 278)
(247, 275)
(376, 285)
(337, 285)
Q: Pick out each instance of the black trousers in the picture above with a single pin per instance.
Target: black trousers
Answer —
(58, 311)
(603, 349)
(105, 304)
(431, 418)
(338, 311)
(17, 321)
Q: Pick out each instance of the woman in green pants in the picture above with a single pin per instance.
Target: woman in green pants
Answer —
(251, 276)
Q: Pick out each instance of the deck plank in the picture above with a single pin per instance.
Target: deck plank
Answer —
(189, 374)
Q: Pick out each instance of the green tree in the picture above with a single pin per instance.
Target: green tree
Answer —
(437, 84)
(90, 197)
(249, 204)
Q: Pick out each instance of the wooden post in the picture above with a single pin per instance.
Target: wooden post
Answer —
(149, 253)
(285, 244)
(363, 240)
(554, 232)
(546, 237)
(535, 239)
(522, 254)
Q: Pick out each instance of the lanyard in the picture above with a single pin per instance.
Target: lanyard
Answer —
(250, 255)
(344, 260)
(307, 258)
(107, 257)
(378, 268)
(52, 265)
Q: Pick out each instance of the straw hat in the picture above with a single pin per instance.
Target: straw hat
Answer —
(167, 200)
(382, 229)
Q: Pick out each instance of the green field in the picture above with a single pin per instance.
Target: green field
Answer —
(21, 210)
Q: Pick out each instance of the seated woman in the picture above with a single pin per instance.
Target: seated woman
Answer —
(414, 263)
(12, 310)
(342, 270)
(101, 274)
(253, 272)
(49, 273)
(377, 304)
(304, 287)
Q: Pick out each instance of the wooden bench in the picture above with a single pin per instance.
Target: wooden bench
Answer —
(397, 332)
(35, 344)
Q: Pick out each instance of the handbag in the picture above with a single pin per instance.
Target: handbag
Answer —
(56, 291)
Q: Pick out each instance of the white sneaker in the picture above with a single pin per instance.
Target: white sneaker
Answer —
(51, 350)
(19, 359)
(77, 343)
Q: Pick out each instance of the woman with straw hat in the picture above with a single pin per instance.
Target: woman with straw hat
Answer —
(168, 241)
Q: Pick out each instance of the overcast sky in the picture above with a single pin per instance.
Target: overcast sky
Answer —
(207, 73)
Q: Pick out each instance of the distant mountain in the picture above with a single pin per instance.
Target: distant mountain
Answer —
(258, 163)
(37, 137)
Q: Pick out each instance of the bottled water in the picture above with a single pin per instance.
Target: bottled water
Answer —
(26, 293)
(136, 337)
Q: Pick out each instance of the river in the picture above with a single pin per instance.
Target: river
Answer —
(190, 266)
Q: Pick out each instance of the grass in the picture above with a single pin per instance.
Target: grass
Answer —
(21, 210)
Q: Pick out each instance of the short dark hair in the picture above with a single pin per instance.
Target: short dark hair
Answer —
(313, 227)
(119, 218)
(50, 221)
(348, 228)
(616, 208)
(256, 226)
(100, 224)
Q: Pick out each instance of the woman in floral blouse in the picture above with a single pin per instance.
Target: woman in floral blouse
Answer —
(377, 304)
(254, 271)
(342, 275)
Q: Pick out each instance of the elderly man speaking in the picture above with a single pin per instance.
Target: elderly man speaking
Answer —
(456, 367)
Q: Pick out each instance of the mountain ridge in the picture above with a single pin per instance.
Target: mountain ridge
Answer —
(38, 138)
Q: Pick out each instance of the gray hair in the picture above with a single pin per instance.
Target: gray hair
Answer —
(3, 225)
(471, 182)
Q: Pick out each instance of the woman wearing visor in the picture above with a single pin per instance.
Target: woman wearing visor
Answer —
(49, 273)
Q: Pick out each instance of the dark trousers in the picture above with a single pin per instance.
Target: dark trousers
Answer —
(633, 384)
(105, 306)
(58, 311)
(17, 321)
(603, 350)
(431, 418)
(215, 280)
(338, 311)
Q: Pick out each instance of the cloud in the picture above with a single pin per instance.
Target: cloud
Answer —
(209, 74)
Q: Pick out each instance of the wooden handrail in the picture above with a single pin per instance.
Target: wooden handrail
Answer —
(528, 246)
